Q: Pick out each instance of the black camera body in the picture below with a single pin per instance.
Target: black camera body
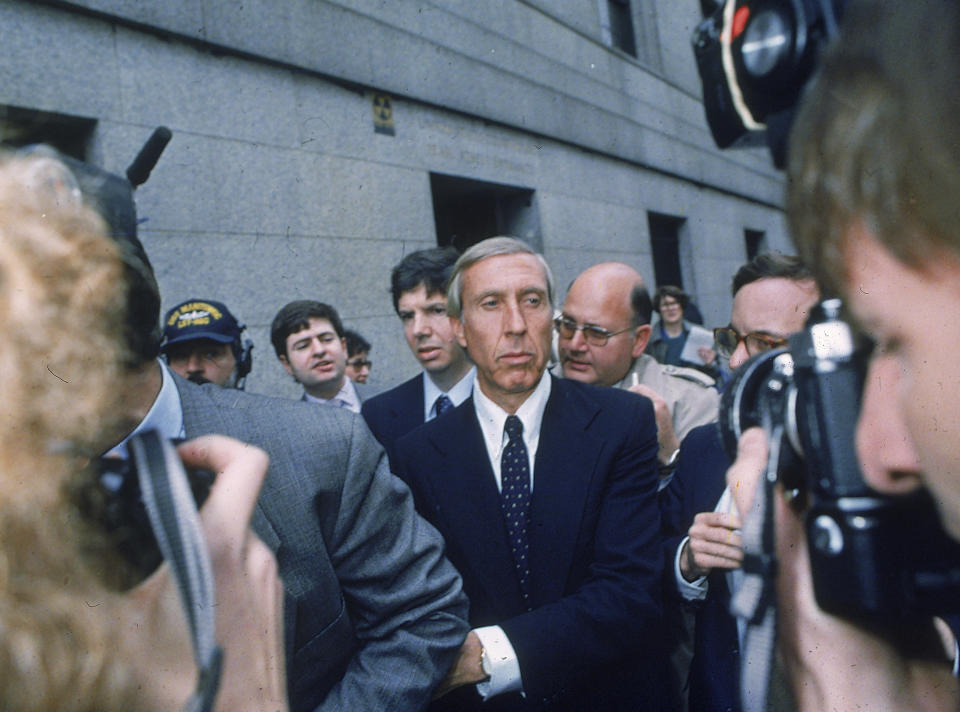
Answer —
(121, 511)
(872, 555)
(754, 58)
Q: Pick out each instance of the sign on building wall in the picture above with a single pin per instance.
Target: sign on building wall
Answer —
(383, 114)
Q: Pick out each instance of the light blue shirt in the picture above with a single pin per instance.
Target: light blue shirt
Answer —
(165, 415)
(457, 395)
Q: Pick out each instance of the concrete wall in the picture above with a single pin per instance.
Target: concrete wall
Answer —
(275, 186)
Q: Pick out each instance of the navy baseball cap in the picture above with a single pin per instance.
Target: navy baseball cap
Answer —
(200, 319)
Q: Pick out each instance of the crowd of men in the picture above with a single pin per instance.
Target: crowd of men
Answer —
(545, 517)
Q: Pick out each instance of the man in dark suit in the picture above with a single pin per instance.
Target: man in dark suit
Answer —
(772, 295)
(545, 492)
(418, 285)
(374, 614)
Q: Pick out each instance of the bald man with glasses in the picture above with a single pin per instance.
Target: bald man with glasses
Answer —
(772, 295)
(603, 329)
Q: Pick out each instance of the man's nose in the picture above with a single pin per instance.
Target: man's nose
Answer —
(195, 363)
(884, 446)
(514, 321)
(739, 356)
(421, 325)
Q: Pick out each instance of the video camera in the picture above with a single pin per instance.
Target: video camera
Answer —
(871, 555)
(754, 58)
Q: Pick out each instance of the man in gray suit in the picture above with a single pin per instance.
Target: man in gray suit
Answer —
(374, 614)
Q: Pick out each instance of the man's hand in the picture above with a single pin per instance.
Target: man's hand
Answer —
(832, 663)
(714, 543)
(666, 436)
(708, 355)
(467, 669)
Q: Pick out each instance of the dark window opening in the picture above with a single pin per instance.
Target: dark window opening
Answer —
(71, 135)
(621, 26)
(755, 241)
(467, 211)
(665, 246)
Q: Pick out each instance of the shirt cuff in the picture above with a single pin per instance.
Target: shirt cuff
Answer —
(695, 590)
(500, 663)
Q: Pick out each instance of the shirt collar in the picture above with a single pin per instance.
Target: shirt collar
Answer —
(165, 415)
(346, 395)
(457, 395)
(492, 417)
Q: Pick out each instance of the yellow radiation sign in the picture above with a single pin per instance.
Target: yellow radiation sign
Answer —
(383, 114)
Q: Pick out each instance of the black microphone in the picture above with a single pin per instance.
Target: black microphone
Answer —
(139, 170)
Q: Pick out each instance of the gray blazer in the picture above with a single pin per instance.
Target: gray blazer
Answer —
(374, 613)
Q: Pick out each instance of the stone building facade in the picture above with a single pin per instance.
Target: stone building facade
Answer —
(315, 142)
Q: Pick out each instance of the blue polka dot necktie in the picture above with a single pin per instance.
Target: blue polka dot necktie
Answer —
(442, 404)
(515, 500)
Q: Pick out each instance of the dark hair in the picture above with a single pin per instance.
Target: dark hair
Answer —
(296, 316)
(668, 290)
(769, 266)
(431, 268)
(641, 304)
(356, 344)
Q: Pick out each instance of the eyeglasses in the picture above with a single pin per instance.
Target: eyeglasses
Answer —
(593, 335)
(727, 339)
(359, 363)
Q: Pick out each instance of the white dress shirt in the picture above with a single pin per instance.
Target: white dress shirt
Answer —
(502, 663)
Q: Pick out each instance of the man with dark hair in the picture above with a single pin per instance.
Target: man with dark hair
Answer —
(603, 329)
(203, 342)
(545, 492)
(374, 614)
(358, 357)
(772, 295)
(308, 339)
(873, 179)
(418, 285)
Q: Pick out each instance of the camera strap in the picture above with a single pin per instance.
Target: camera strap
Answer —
(755, 599)
(176, 525)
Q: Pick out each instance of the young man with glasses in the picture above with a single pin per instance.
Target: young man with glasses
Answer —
(603, 329)
(772, 295)
(358, 357)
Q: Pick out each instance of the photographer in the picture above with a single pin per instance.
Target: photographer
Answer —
(68, 641)
(874, 175)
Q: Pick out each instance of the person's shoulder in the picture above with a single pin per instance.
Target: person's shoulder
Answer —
(578, 396)
(688, 375)
(391, 395)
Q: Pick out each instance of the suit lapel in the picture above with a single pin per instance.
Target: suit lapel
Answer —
(466, 493)
(563, 477)
(407, 407)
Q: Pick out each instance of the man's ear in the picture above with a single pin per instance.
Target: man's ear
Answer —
(641, 336)
(457, 326)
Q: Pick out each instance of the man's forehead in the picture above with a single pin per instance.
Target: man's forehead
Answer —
(421, 293)
(316, 325)
(773, 305)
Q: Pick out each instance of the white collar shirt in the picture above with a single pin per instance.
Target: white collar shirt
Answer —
(492, 419)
